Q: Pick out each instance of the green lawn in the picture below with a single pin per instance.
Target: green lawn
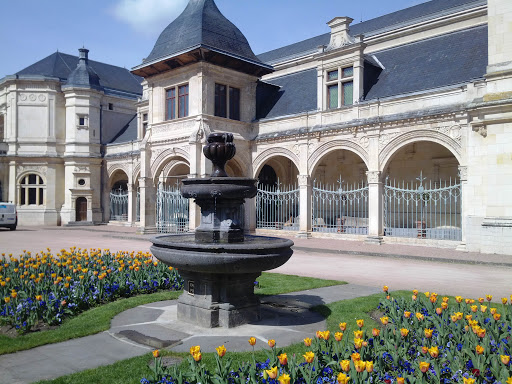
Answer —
(98, 319)
(132, 370)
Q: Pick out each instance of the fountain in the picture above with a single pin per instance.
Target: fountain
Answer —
(218, 263)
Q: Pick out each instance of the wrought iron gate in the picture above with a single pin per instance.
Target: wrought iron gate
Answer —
(119, 205)
(417, 210)
(172, 213)
(277, 207)
(340, 209)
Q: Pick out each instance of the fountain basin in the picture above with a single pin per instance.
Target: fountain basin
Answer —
(219, 277)
(219, 187)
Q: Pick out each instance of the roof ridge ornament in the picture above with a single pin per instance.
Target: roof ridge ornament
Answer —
(340, 36)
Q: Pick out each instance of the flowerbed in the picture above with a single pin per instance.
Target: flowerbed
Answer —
(422, 339)
(48, 288)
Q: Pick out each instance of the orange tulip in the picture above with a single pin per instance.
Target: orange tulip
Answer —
(479, 349)
(283, 359)
(358, 334)
(156, 353)
(309, 357)
(338, 336)
(360, 323)
(252, 341)
(439, 311)
(360, 366)
(385, 288)
(407, 314)
(505, 359)
(400, 380)
(496, 316)
(343, 326)
(355, 357)
(375, 332)
(271, 344)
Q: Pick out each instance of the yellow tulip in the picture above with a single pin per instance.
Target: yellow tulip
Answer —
(444, 305)
(343, 378)
(272, 372)
(197, 356)
(419, 316)
(369, 366)
(424, 366)
(488, 297)
(400, 380)
(434, 352)
(307, 342)
(385, 288)
(271, 344)
(415, 292)
(496, 316)
(479, 349)
(156, 353)
(355, 357)
(439, 311)
(345, 365)
(284, 379)
(375, 332)
(252, 341)
(493, 311)
(7, 300)
(358, 334)
(195, 349)
(505, 359)
(221, 351)
(384, 320)
(309, 357)
(338, 336)
(428, 333)
(360, 323)
(483, 308)
(360, 366)
(358, 343)
(407, 314)
(404, 332)
(283, 359)
(343, 326)
(509, 380)
(504, 300)
(468, 380)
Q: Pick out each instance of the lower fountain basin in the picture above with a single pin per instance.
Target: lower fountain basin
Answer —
(219, 277)
(255, 254)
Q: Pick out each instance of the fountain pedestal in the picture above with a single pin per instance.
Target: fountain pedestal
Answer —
(219, 265)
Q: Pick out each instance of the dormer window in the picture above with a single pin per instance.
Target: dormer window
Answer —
(177, 104)
(340, 87)
(227, 101)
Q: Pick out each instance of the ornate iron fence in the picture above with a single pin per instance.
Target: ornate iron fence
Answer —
(172, 210)
(277, 207)
(428, 212)
(341, 208)
(119, 205)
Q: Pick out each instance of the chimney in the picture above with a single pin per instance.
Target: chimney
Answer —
(83, 57)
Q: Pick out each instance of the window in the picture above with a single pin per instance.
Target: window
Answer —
(227, 101)
(340, 87)
(32, 190)
(173, 103)
(144, 124)
(82, 121)
(110, 106)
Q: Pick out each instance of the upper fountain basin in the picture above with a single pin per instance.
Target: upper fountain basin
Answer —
(219, 187)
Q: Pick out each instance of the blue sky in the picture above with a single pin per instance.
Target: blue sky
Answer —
(122, 32)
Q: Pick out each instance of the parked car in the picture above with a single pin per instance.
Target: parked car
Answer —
(8, 216)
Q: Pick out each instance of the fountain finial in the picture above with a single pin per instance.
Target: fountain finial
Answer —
(219, 150)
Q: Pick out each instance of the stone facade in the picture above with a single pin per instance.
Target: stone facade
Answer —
(451, 131)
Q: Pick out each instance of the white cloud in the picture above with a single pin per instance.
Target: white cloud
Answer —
(148, 16)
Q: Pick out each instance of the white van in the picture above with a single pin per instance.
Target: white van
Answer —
(8, 216)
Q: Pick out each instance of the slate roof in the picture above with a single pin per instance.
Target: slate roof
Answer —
(126, 134)
(112, 78)
(424, 11)
(450, 59)
(202, 25)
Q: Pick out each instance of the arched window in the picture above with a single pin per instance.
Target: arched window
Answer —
(31, 190)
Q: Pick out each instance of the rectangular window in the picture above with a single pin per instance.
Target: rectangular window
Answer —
(220, 100)
(332, 96)
(234, 103)
(170, 102)
(144, 124)
(340, 90)
(110, 106)
(183, 101)
(81, 121)
(32, 196)
(227, 101)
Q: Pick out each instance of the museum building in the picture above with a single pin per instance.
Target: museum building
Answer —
(398, 128)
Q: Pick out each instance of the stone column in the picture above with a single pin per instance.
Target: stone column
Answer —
(305, 206)
(147, 194)
(463, 174)
(375, 194)
(132, 204)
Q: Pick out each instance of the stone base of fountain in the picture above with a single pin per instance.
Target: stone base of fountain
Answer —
(217, 300)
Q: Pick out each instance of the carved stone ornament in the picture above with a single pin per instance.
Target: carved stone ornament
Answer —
(201, 133)
(81, 169)
(479, 127)
(339, 33)
(373, 176)
(23, 97)
(42, 169)
(303, 179)
(32, 97)
(364, 141)
(463, 173)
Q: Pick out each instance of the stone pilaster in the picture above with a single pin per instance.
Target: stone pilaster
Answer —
(463, 175)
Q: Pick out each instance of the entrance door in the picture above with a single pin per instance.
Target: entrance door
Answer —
(81, 209)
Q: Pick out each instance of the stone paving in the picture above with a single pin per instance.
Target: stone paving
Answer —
(135, 332)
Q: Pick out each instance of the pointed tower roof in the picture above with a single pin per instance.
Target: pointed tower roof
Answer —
(83, 76)
(201, 33)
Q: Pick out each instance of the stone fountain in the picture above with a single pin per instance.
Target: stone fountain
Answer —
(218, 263)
